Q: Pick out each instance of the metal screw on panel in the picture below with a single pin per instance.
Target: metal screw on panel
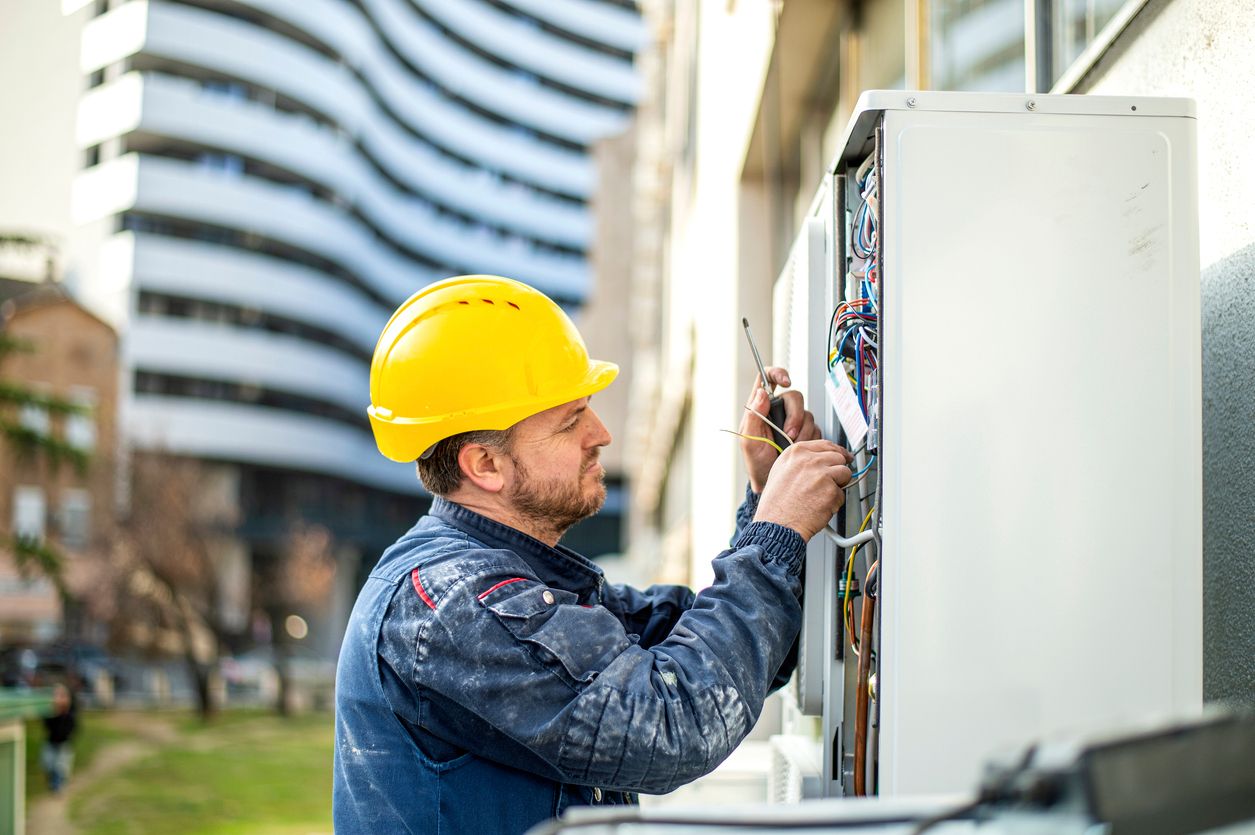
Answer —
(1032, 105)
(911, 102)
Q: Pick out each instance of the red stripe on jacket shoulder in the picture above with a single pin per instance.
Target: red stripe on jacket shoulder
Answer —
(418, 587)
(502, 583)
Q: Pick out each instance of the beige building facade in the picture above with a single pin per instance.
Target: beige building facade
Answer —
(746, 102)
(72, 356)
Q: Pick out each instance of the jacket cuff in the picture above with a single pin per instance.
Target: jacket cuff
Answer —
(779, 543)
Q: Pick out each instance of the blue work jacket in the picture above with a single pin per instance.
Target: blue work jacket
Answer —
(488, 681)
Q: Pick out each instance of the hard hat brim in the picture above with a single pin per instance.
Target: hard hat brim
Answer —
(405, 439)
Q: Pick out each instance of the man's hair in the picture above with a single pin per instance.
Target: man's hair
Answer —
(440, 472)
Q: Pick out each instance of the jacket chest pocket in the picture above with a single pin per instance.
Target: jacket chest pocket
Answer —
(575, 641)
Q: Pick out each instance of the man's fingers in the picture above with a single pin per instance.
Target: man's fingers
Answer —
(751, 423)
(809, 431)
(794, 413)
(820, 445)
(777, 376)
(827, 459)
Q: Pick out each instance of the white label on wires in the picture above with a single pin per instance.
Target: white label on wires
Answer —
(845, 403)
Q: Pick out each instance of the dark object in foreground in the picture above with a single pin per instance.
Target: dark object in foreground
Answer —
(1193, 776)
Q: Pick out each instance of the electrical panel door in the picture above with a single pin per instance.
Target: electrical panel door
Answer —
(1011, 335)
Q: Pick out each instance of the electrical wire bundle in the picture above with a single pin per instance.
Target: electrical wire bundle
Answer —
(854, 351)
(853, 332)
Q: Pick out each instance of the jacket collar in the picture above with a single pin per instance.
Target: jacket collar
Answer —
(558, 566)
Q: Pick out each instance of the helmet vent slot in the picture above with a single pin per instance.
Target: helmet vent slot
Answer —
(513, 305)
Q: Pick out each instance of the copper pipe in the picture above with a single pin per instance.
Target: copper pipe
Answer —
(861, 697)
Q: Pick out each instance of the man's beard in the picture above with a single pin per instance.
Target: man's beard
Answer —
(556, 505)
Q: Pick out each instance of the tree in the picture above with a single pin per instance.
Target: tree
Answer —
(299, 580)
(157, 580)
(27, 443)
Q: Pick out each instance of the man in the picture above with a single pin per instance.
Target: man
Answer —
(489, 677)
(57, 756)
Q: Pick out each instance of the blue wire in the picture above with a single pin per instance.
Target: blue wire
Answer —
(870, 461)
(858, 366)
(841, 344)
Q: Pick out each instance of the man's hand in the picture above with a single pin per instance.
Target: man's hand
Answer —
(799, 425)
(807, 486)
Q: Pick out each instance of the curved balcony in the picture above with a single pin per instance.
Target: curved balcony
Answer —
(221, 352)
(179, 189)
(193, 269)
(507, 93)
(238, 49)
(179, 108)
(264, 436)
(612, 26)
(531, 48)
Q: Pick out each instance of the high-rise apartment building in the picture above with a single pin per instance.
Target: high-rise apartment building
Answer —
(259, 183)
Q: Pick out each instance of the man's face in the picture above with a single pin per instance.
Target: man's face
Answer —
(557, 478)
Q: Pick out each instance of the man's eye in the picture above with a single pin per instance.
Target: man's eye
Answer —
(570, 426)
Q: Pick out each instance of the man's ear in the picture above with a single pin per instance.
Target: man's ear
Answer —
(481, 465)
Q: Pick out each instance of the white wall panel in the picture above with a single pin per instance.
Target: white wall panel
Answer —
(1040, 452)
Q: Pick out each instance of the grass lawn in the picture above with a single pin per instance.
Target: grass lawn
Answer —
(246, 772)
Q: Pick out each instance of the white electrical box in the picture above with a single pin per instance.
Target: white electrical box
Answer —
(1009, 286)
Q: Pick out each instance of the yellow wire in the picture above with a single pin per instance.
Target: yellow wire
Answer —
(767, 421)
(775, 445)
(849, 580)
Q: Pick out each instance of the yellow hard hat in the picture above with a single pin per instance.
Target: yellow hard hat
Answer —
(474, 352)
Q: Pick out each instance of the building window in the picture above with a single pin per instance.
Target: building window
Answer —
(29, 512)
(1074, 25)
(75, 521)
(229, 164)
(34, 416)
(80, 427)
(231, 90)
(978, 45)
(983, 44)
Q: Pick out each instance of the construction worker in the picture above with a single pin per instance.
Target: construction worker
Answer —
(491, 678)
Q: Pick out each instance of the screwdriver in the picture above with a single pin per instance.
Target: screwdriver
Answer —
(776, 410)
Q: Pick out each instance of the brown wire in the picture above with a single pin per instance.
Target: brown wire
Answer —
(861, 699)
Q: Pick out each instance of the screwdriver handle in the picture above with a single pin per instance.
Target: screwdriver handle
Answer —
(776, 413)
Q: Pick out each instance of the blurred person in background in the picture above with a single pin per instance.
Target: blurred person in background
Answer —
(57, 757)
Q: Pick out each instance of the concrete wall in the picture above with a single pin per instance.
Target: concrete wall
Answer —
(39, 66)
(1202, 49)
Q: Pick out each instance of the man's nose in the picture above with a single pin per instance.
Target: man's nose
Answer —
(600, 434)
